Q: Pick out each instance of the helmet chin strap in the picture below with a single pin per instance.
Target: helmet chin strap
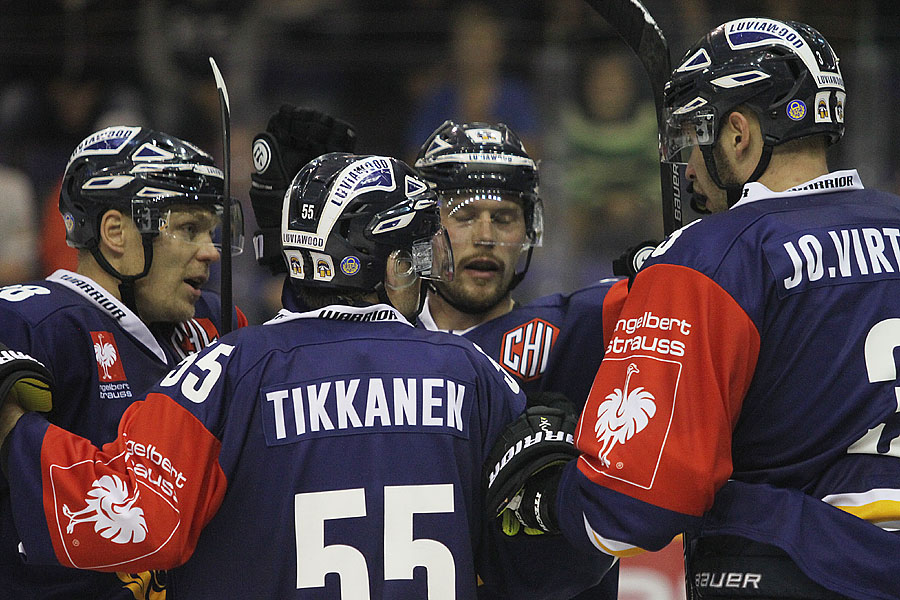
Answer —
(520, 275)
(126, 282)
(734, 191)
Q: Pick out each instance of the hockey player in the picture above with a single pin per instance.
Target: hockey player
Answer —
(490, 205)
(756, 346)
(141, 206)
(335, 451)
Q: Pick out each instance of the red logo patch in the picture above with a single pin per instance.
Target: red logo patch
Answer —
(525, 350)
(109, 363)
(626, 427)
(110, 521)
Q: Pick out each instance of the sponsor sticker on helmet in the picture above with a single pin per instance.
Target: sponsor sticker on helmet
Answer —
(323, 266)
(484, 136)
(823, 110)
(840, 97)
(295, 263)
(106, 141)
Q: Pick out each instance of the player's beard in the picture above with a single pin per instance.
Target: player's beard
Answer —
(473, 302)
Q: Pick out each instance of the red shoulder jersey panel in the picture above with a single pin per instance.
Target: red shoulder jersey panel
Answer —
(657, 424)
(141, 501)
(612, 307)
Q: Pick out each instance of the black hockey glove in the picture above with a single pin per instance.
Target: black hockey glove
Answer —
(523, 468)
(293, 137)
(631, 261)
(25, 380)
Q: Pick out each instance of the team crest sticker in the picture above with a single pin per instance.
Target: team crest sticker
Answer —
(350, 265)
(796, 110)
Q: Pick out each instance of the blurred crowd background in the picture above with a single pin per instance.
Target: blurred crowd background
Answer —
(397, 69)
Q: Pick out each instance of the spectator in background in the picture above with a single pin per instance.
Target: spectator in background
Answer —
(17, 227)
(476, 85)
(611, 160)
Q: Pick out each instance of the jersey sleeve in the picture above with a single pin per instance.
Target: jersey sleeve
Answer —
(138, 503)
(525, 566)
(655, 433)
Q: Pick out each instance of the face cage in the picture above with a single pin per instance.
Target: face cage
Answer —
(152, 218)
(534, 230)
(683, 132)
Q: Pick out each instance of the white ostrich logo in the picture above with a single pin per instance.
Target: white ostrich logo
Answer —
(112, 511)
(622, 414)
(106, 355)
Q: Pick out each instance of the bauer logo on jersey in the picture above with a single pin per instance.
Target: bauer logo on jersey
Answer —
(106, 352)
(630, 423)
(110, 513)
(525, 350)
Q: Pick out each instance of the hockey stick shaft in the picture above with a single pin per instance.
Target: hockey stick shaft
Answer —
(637, 28)
(225, 281)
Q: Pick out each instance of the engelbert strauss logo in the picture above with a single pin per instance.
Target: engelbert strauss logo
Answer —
(622, 414)
(111, 510)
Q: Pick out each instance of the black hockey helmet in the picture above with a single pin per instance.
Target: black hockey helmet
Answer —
(785, 71)
(483, 156)
(462, 158)
(140, 172)
(346, 214)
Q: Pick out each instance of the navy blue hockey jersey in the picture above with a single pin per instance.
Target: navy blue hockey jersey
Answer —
(554, 343)
(756, 345)
(333, 453)
(103, 358)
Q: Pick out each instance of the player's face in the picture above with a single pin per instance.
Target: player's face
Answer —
(487, 233)
(714, 197)
(182, 256)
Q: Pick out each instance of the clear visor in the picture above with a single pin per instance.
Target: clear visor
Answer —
(492, 217)
(432, 258)
(683, 132)
(429, 258)
(191, 223)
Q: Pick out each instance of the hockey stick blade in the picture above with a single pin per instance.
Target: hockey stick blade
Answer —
(638, 29)
(225, 280)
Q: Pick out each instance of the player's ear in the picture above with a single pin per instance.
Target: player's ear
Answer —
(114, 231)
(737, 133)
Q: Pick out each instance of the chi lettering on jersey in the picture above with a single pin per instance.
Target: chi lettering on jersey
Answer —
(525, 350)
(193, 335)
